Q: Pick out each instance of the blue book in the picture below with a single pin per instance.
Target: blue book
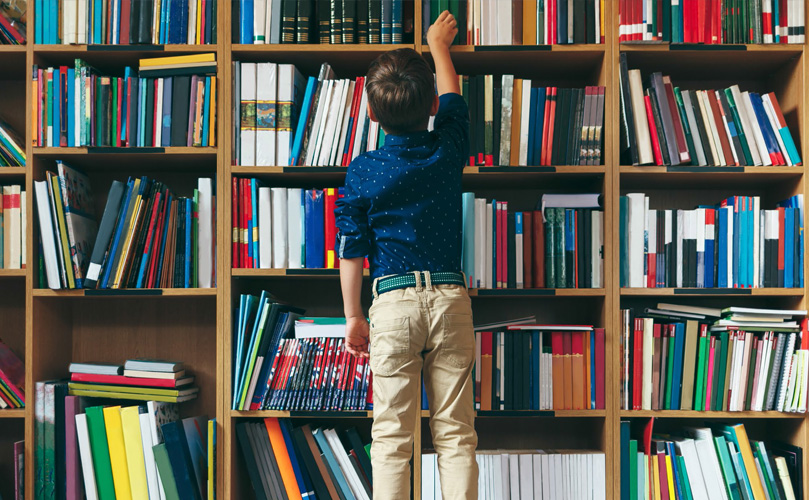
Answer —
(764, 125)
(387, 22)
(751, 242)
(570, 249)
(253, 343)
(539, 118)
(253, 242)
(675, 469)
(56, 106)
(110, 259)
(561, 22)
(165, 22)
(246, 22)
(304, 483)
(738, 466)
(775, 14)
(397, 24)
(38, 22)
(332, 463)
(532, 125)
(142, 113)
(315, 225)
(734, 223)
(181, 462)
(722, 252)
(300, 131)
(677, 373)
(468, 243)
(53, 19)
(188, 211)
(247, 307)
(789, 244)
(97, 21)
(206, 111)
(165, 132)
(71, 110)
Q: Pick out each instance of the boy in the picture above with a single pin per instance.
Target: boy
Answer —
(402, 208)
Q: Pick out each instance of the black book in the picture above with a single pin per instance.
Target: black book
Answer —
(526, 369)
(235, 24)
(574, 133)
(145, 21)
(495, 374)
(103, 96)
(336, 21)
(517, 376)
(289, 12)
(304, 20)
(134, 21)
(349, 21)
(206, 36)
(130, 275)
(590, 16)
(562, 105)
(666, 20)
(497, 97)
(666, 117)
(354, 440)
(629, 149)
(661, 247)
(690, 249)
(579, 21)
(674, 254)
(323, 21)
(180, 103)
(303, 452)
(213, 24)
(661, 137)
(362, 21)
(132, 133)
(480, 129)
(148, 128)
(267, 457)
(104, 235)
(512, 250)
(374, 21)
(251, 459)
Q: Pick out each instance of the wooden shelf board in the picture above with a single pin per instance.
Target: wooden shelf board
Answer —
(127, 293)
(710, 414)
(714, 292)
(298, 273)
(12, 48)
(585, 47)
(125, 152)
(713, 48)
(318, 48)
(689, 170)
(536, 292)
(424, 413)
(12, 273)
(12, 172)
(634, 177)
(15, 413)
(150, 49)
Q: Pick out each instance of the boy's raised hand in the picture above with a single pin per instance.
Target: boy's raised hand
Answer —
(357, 333)
(443, 31)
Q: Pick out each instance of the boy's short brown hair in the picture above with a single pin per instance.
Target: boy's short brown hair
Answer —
(401, 89)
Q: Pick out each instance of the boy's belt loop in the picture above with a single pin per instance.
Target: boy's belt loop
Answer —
(428, 281)
(373, 288)
(418, 281)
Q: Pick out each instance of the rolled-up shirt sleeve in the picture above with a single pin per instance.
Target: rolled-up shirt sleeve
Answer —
(452, 126)
(351, 216)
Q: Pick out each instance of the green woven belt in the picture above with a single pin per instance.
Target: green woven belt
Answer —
(409, 280)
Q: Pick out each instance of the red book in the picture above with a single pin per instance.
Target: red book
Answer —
(61, 134)
(155, 257)
(637, 364)
(330, 197)
(804, 334)
(547, 128)
(623, 23)
(578, 370)
(653, 131)
(651, 269)
(130, 381)
(703, 12)
(664, 477)
(124, 28)
(599, 368)
(234, 217)
(202, 26)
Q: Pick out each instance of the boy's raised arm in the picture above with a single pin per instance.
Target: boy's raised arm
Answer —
(439, 38)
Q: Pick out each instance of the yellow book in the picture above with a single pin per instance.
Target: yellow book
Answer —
(212, 115)
(115, 441)
(211, 459)
(670, 477)
(60, 217)
(656, 478)
(130, 234)
(200, 15)
(130, 423)
(156, 26)
(191, 58)
(749, 462)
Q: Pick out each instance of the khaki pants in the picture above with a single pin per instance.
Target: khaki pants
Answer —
(427, 328)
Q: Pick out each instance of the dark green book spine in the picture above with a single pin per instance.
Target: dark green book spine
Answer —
(362, 21)
(550, 248)
(336, 21)
(303, 22)
(323, 13)
(289, 11)
(375, 21)
(689, 139)
(559, 246)
(349, 21)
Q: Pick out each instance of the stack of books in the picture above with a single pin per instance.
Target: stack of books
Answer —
(334, 21)
(528, 22)
(125, 22)
(559, 245)
(678, 357)
(539, 367)
(13, 227)
(12, 154)
(144, 380)
(12, 379)
(12, 23)
(168, 101)
(517, 123)
(148, 236)
(527, 474)
(283, 461)
(713, 21)
(664, 125)
(734, 244)
(718, 461)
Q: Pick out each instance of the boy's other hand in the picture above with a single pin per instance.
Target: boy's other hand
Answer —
(357, 334)
(443, 31)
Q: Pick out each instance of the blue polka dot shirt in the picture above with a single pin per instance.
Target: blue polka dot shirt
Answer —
(402, 203)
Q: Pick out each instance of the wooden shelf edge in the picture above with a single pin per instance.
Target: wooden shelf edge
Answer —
(12, 273)
(9, 171)
(710, 414)
(712, 48)
(479, 170)
(688, 170)
(537, 292)
(714, 292)
(318, 48)
(557, 47)
(108, 48)
(127, 293)
(118, 152)
(15, 413)
(237, 414)
(296, 273)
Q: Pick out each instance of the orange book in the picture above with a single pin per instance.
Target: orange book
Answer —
(567, 369)
(529, 22)
(486, 371)
(559, 389)
(749, 461)
(577, 369)
(279, 448)
(516, 119)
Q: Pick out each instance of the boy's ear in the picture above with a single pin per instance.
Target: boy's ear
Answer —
(371, 114)
(433, 108)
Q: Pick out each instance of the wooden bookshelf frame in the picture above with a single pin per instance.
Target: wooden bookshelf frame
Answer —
(51, 328)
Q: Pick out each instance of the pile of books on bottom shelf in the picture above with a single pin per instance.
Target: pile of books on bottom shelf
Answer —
(12, 379)
(132, 452)
(715, 462)
(527, 474)
(287, 462)
(680, 357)
(139, 379)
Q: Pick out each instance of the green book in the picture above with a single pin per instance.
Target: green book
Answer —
(550, 248)
(689, 138)
(734, 111)
(100, 452)
(765, 479)
(670, 367)
(699, 389)
(559, 246)
(751, 374)
(114, 112)
(731, 486)
(454, 8)
(633, 469)
(705, 364)
(715, 382)
(368, 450)
(161, 458)
(685, 483)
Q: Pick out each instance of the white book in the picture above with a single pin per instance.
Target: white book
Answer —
(23, 227)
(427, 476)
(77, 109)
(158, 135)
(648, 358)
(757, 134)
(505, 121)
(746, 123)
(46, 230)
(714, 129)
(536, 465)
(345, 464)
(192, 22)
(526, 476)
(294, 228)
(519, 249)
(361, 115)
(642, 133)
(711, 149)
(794, 383)
(69, 22)
(334, 119)
(269, 11)
(525, 118)
(205, 250)
(291, 86)
(597, 249)
(729, 257)
(688, 450)
(81, 22)
(765, 369)
(337, 153)
(280, 232)
(692, 123)
(638, 27)
(87, 468)
(547, 483)
(266, 113)
(148, 456)
(487, 274)
(248, 127)
(803, 381)
(481, 250)
(505, 484)
(637, 219)
(769, 111)
(259, 19)
(332, 93)
(325, 93)
(708, 462)
(373, 136)
(680, 214)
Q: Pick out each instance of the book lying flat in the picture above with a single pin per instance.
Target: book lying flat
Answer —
(153, 365)
(130, 381)
(126, 395)
(96, 368)
(144, 391)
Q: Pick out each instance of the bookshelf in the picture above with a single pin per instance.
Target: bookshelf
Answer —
(49, 329)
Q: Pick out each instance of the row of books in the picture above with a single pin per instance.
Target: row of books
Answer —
(319, 121)
(734, 244)
(12, 23)
(532, 22)
(144, 380)
(325, 22)
(693, 358)
(298, 462)
(712, 22)
(540, 367)
(12, 379)
(516, 123)
(13, 227)
(527, 474)
(719, 462)
(123, 22)
(559, 246)
(169, 101)
(12, 153)
(664, 125)
(148, 237)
